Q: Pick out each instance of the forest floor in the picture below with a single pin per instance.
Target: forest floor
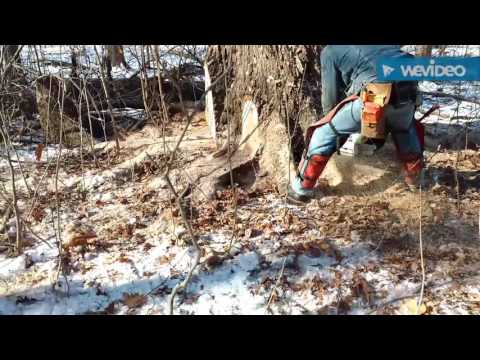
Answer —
(126, 247)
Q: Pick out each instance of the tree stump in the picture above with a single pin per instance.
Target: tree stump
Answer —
(269, 94)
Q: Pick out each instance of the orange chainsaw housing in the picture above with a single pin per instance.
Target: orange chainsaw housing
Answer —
(373, 125)
(372, 112)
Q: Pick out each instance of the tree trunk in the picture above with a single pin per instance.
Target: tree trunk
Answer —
(114, 56)
(423, 50)
(283, 82)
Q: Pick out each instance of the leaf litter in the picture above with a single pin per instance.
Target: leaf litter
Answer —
(344, 254)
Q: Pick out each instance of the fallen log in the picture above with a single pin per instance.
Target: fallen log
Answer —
(59, 115)
(128, 92)
(81, 104)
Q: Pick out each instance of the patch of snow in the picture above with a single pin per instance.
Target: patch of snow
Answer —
(42, 252)
(233, 287)
(11, 266)
(92, 182)
(225, 291)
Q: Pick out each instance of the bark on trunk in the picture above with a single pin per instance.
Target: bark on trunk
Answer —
(284, 84)
(423, 50)
(114, 56)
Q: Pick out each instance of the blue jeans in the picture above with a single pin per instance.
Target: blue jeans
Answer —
(348, 121)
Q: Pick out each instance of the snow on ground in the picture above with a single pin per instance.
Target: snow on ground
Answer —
(87, 56)
(148, 264)
(27, 153)
(229, 289)
(138, 255)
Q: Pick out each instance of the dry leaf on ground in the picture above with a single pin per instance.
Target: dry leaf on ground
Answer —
(133, 301)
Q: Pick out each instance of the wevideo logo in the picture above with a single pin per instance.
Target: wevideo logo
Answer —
(387, 70)
(427, 68)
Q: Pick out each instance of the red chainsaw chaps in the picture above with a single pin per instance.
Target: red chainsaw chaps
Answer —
(314, 169)
(325, 120)
(411, 162)
(412, 165)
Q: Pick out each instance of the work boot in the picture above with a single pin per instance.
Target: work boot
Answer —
(412, 170)
(297, 199)
(301, 191)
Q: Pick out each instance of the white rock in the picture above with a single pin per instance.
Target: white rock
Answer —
(158, 183)
(71, 182)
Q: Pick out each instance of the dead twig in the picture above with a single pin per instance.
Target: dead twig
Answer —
(232, 185)
(18, 221)
(453, 96)
(430, 286)
(60, 268)
(181, 286)
(109, 104)
(180, 204)
(37, 236)
(6, 216)
(8, 212)
(420, 239)
(277, 284)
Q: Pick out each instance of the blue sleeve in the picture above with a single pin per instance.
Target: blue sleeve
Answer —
(331, 81)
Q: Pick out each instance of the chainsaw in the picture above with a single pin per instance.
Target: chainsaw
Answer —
(358, 145)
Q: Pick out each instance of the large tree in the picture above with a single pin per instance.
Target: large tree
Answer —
(423, 50)
(283, 81)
